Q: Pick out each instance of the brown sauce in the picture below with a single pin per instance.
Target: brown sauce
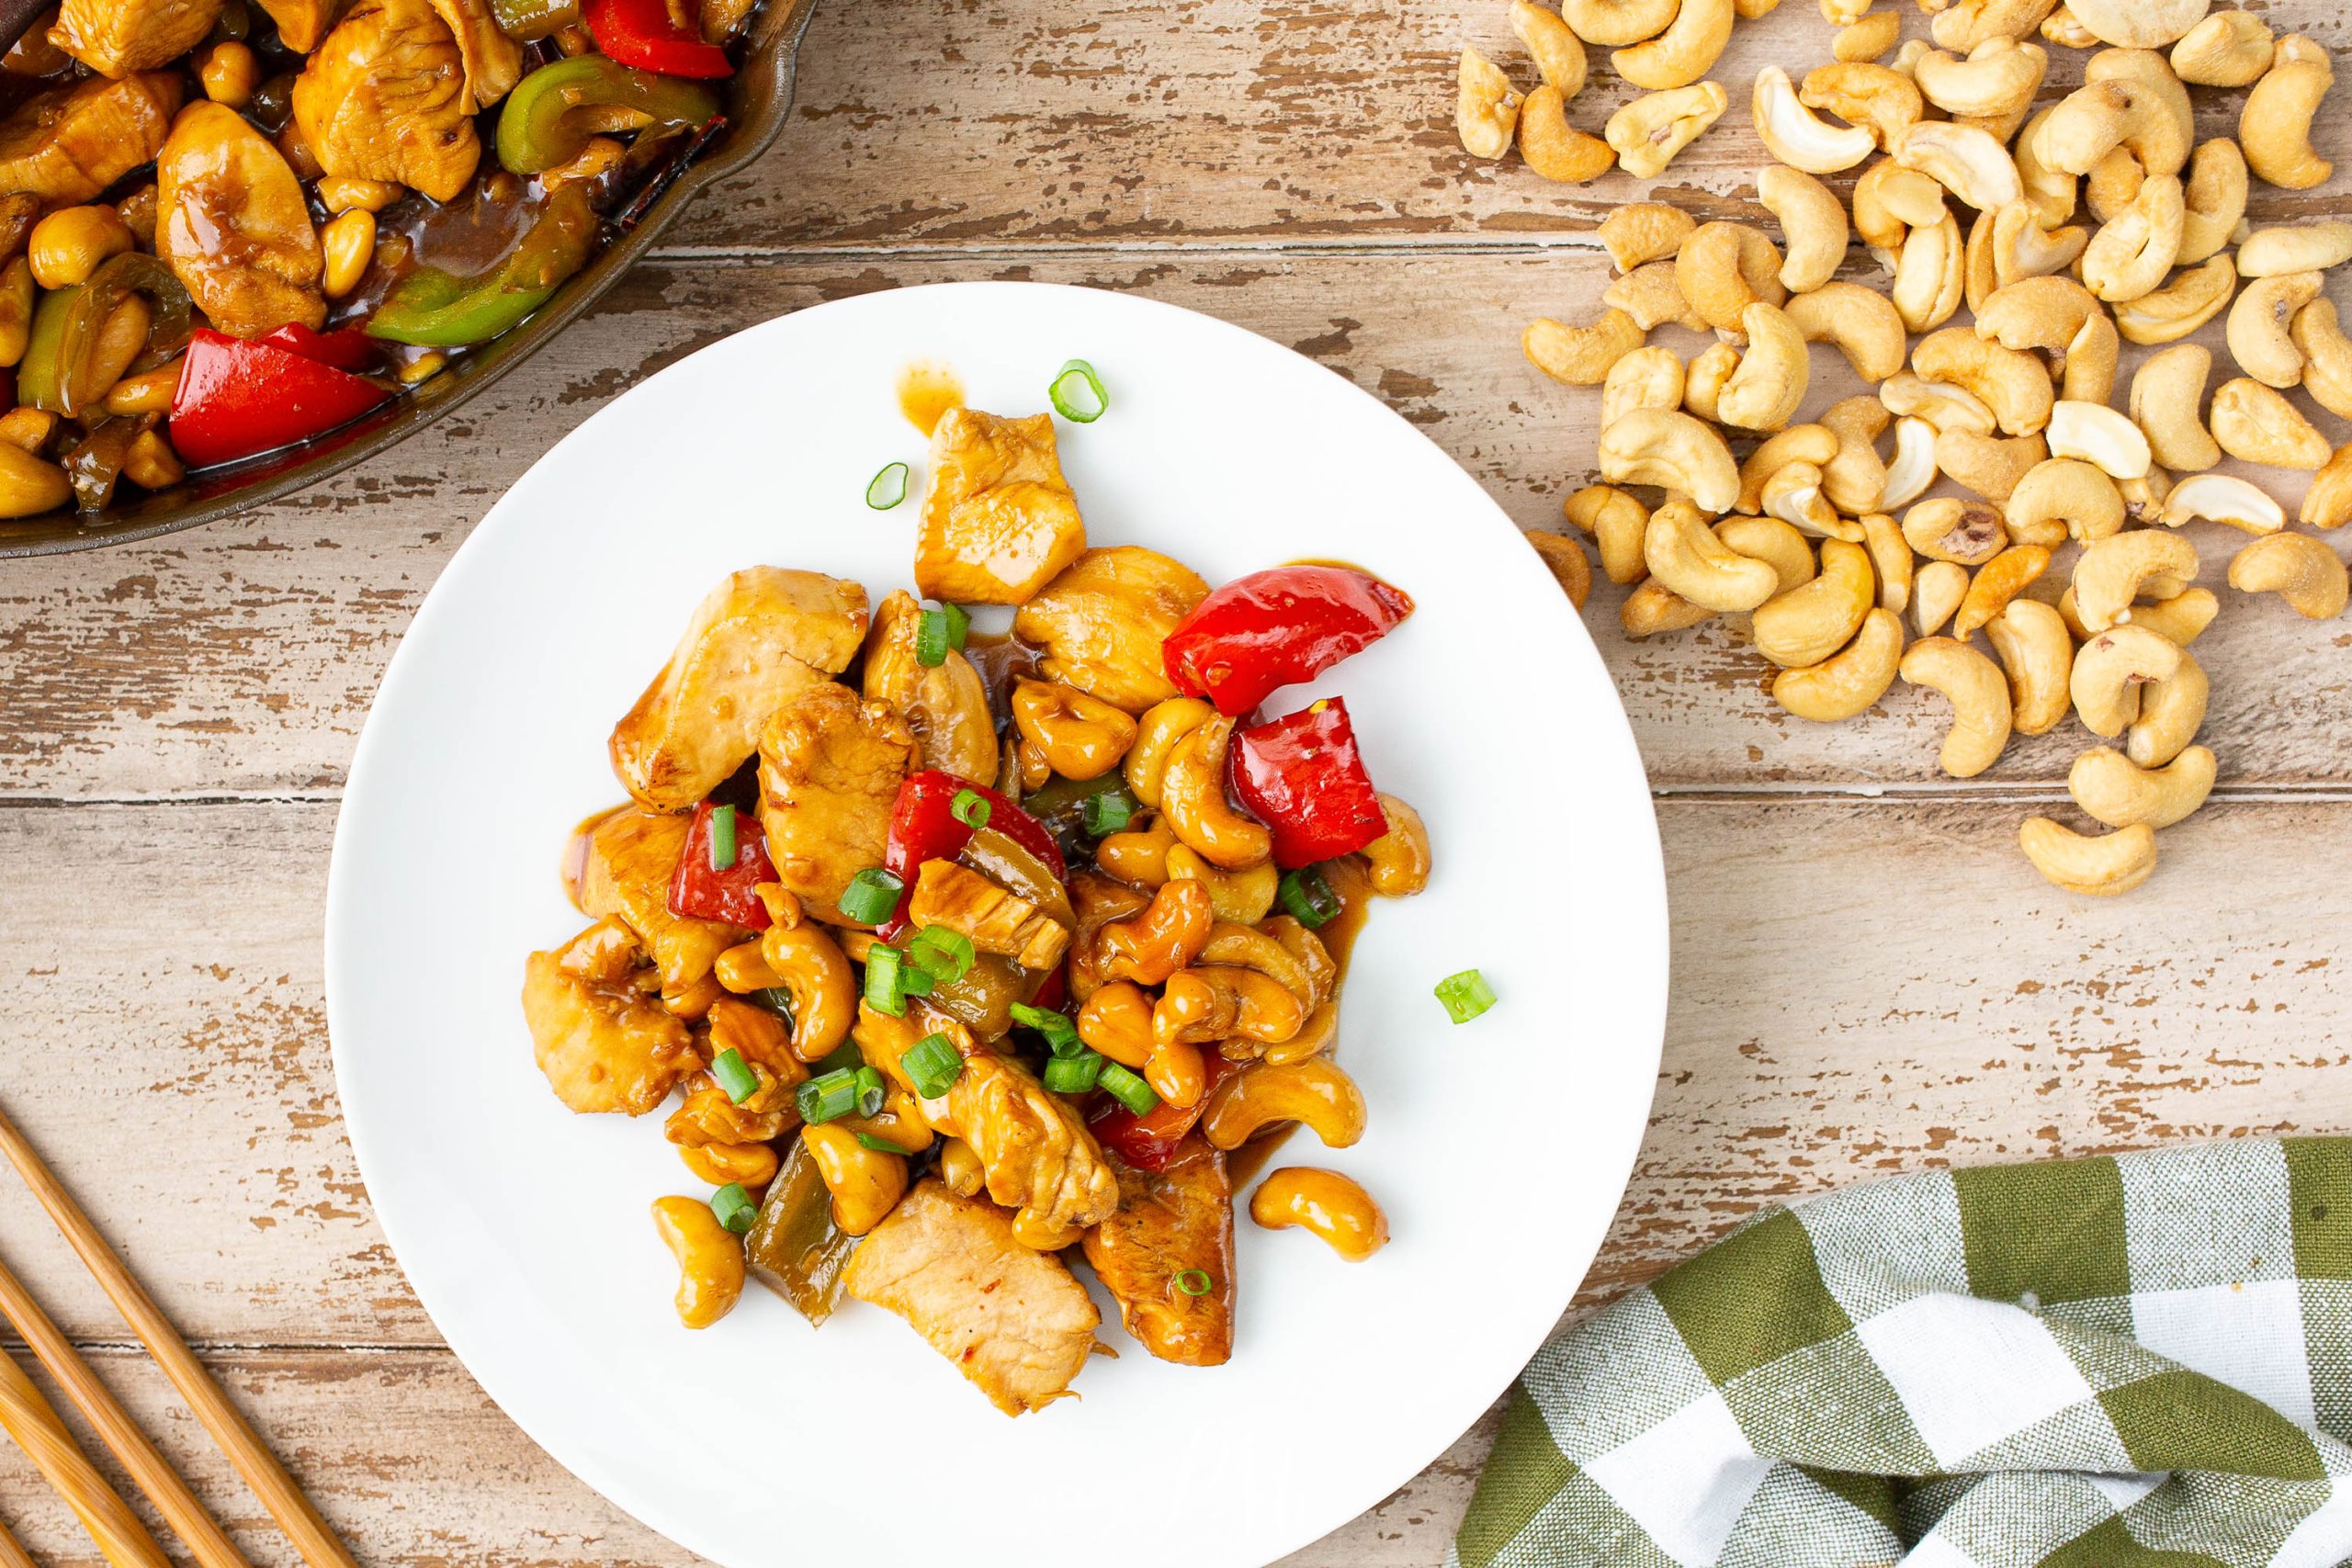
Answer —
(926, 391)
(574, 864)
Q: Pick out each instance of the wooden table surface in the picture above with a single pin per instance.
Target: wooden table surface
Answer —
(1867, 977)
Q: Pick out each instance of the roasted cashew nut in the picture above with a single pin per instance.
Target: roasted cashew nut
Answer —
(1684, 53)
(1244, 896)
(1986, 466)
(1646, 378)
(1854, 477)
(865, 1184)
(1156, 732)
(1848, 682)
(1486, 107)
(1794, 496)
(1673, 450)
(2128, 101)
(2096, 434)
(1813, 444)
(2134, 251)
(1971, 22)
(1979, 694)
(1914, 468)
(2261, 326)
(2013, 384)
(1794, 135)
(1937, 590)
(2110, 668)
(2170, 712)
(2061, 498)
(1192, 795)
(1116, 1020)
(1703, 379)
(1803, 626)
(2222, 498)
(1653, 299)
(1557, 52)
(1324, 1204)
(1995, 83)
(2328, 503)
(2052, 193)
(2022, 248)
(2039, 657)
(1138, 856)
(1399, 859)
(1862, 322)
(1889, 201)
(1207, 1003)
(2327, 357)
(1965, 533)
(1617, 524)
(2113, 572)
(1164, 937)
(1581, 356)
(1765, 393)
(2275, 127)
(1723, 269)
(808, 966)
(1930, 276)
(1612, 23)
(2228, 49)
(709, 1259)
(1884, 100)
(2167, 391)
(2108, 786)
(2306, 247)
(1996, 582)
(2297, 568)
(1641, 232)
(1649, 130)
(1080, 737)
(2167, 315)
(1973, 164)
(2257, 425)
(1891, 559)
(1944, 408)
(1652, 608)
(2214, 200)
(2138, 24)
(1812, 225)
(1686, 557)
(2100, 866)
(1774, 542)
(1314, 1092)
(1554, 148)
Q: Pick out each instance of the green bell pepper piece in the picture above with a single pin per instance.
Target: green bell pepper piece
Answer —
(433, 308)
(39, 384)
(535, 128)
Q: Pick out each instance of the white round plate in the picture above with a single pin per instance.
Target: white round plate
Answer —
(1499, 1148)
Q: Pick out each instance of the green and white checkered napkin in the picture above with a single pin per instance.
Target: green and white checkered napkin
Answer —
(2099, 1363)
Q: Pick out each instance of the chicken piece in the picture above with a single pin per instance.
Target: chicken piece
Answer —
(1169, 1222)
(626, 874)
(830, 771)
(494, 62)
(1101, 622)
(115, 38)
(604, 1044)
(234, 225)
(999, 521)
(302, 23)
(384, 97)
(66, 146)
(945, 705)
(1011, 1320)
(756, 641)
(1034, 1149)
(997, 921)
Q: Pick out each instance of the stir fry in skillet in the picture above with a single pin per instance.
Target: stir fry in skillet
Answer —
(229, 226)
(957, 959)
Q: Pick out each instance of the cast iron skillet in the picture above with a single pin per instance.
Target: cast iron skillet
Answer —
(758, 97)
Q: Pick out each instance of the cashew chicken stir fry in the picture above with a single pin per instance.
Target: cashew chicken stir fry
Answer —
(230, 226)
(952, 956)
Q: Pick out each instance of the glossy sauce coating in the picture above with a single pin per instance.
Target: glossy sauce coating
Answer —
(1331, 1205)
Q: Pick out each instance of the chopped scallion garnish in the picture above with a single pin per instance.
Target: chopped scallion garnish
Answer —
(871, 896)
(1073, 1075)
(828, 1097)
(1127, 1087)
(1466, 995)
(1196, 1282)
(870, 1091)
(722, 838)
(1077, 393)
(885, 981)
(1110, 812)
(944, 954)
(933, 1065)
(1061, 1035)
(1307, 896)
(734, 1076)
(887, 489)
(880, 1146)
(970, 808)
(734, 1207)
(939, 632)
(845, 1054)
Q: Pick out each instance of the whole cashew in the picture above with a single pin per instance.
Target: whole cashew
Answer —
(1793, 134)
(1930, 276)
(2222, 498)
(1854, 476)
(1486, 107)
(2170, 712)
(1557, 52)
(1803, 626)
(1813, 223)
(2106, 784)
(1849, 681)
(1723, 269)
(1191, 791)
(1617, 524)
(710, 1259)
(1167, 935)
(1815, 444)
(2098, 434)
(1400, 858)
(1688, 559)
(2327, 357)
(2101, 867)
(1868, 39)
(1646, 378)
(1965, 533)
(808, 966)
(1664, 447)
(1208, 1002)
(2138, 24)
(1891, 558)
(2050, 192)
(2166, 392)
(2013, 384)
(1649, 130)
(1971, 22)
(865, 1184)
(2128, 100)
(2297, 568)
(1988, 466)
(2328, 503)
(1323, 1203)
(1996, 582)
(1794, 496)
(1979, 694)
(1936, 591)
(1581, 356)
(1995, 81)
(1890, 201)
(2062, 498)
(1684, 53)
(1156, 732)
(1247, 895)
(1945, 408)
(2039, 658)
(2308, 247)
(2213, 199)
(2022, 248)
(1314, 1092)
(1653, 608)
(2261, 322)
(1080, 737)
(2167, 315)
(2275, 127)
(1554, 148)
(1116, 1020)
(1703, 379)
(2228, 49)
(2132, 255)
(2255, 424)
(1914, 468)
(1973, 164)
(1643, 231)
(1611, 23)
(1885, 101)
(1765, 393)
(1653, 299)
(1138, 856)
(2112, 573)
(2110, 668)
(1862, 322)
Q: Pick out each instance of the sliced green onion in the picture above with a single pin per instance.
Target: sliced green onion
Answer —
(1060, 1033)
(1466, 995)
(887, 489)
(734, 1074)
(880, 1146)
(885, 987)
(775, 998)
(845, 1054)
(938, 632)
(1109, 812)
(1073, 1075)
(1077, 393)
(970, 808)
(722, 839)
(871, 1091)
(933, 1065)
(1196, 1282)
(828, 1097)
(914, 980)
(734, 1207)
(1127, 1087)
(943, 952)
(871, 896)
(1308, 897)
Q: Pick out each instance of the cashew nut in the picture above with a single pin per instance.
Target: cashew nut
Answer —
(1156, 732)
(1979, 694)
(1558, 54)
(2297, 568)
(2214, 200)
(865, 1184)
(2223, 498)
(1930, 276)
(1862, 322)
(1723, 269)
(1996, 582)
(1985, 466)
(808, 966)
(1653, 299)
(1943, 407)
(1080, 737)
(1581, 356)
(1664, 447)
(1643, 231)
(1613, 22)
(1805, 625)
(2098, 434)
(2132, 253)
(1890, 201)
(2328, 503)
(1314, 1092)
(1703, 379)
(1617, 524)
(1971, 22)
(1937, 590)
(2022, 248)
(1192, 795)
(2194, 297)
(1876, 97)
(1766, 390)
(1139, 856)
(1854, 476)
(2310, 247)
(1244, 896)
(2166, 392)
(2170, 712)
(2063, 497)
(2013, 384)
(1995, 83)
(1648, 377)
(1979, 275)
(2052, 193)
(1794, 135)
(2327, 357)
(2138, 24)
(2039, 657)
(2112, 571)
(1971, 164)
(709, 1257)
(1116, 1020)
(1682, 53)
(2100, 866)
(2129, 100)
(1849, 681)
(1653, 608)
(1485, 106)
(1771, 540)
(2110, 668)
(2228, 49)
(2257, 425)
(1965, 533)
(1815, 444)
(1914, 468)
(2108, 786)
(1554, 148)
(1649, 130)
(1793, 495)
(1324, 1204)
(2275, 127)
(1686, 558)
(1399, 859)
(1891, 559)
(1812, 224)
(2260, 334)
(1868, 37)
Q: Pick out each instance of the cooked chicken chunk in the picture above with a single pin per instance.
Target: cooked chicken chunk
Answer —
(602, 1043)
(234, 225)
(1169, 1222)
(115, 38)
(67, 146)
(1101, 623)
(631, 855)
(998, 521)
(997, 921)
(830, 771)
(494, 62)
(945, 705)
(385, 97)
(757, 639)
(1011, 1320)
(302, 23)
(1034, 1149)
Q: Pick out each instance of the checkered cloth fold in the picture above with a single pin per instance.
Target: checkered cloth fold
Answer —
(2118, 1362)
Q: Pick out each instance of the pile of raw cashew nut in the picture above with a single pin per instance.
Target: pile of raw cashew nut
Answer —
(2014, 408)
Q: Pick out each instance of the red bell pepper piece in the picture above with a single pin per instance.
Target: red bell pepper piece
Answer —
(698, 891)
(923, 826)
(1275, 628)
(1304, 779)
(346, 349)
(237, 398)
(1149, 1141)
(653, 37)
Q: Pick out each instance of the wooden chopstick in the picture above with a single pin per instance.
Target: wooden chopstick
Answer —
(13, 1555)
(154, 1475)
(32, 1421)
(294, 1512)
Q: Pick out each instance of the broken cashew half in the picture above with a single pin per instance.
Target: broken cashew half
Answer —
(2297, 568)
(2096, 434)
(1798, 138)
(2222, 498)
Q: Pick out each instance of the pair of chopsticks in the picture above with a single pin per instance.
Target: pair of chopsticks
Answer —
(30, 1419)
